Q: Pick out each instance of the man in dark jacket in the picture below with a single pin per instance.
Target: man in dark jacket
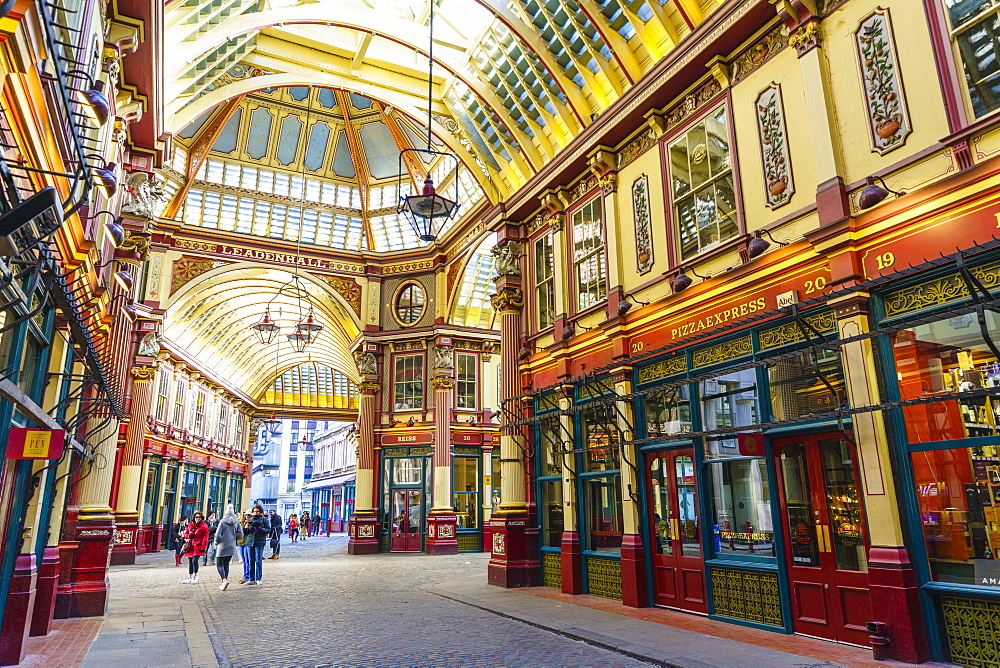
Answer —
(276, 530)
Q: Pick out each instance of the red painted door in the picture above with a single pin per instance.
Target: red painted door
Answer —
(678, 571)
(826, 535)
(407, 521)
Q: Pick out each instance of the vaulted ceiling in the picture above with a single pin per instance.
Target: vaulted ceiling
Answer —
(514, 80)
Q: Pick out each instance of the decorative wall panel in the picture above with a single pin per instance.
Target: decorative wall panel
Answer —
(722, 352)
(663, 368)
(778, 184)
(551, 570)
(973, 630)
(938, 291)
(643, 231)
(888, 119)
(604, 578)
(748, 595)
(468, 542)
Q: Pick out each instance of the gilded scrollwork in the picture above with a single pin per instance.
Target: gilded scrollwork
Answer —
(443, 382)
(722, 352)
(791, 333)
(938, 291)
(663, 368)
(508, 299)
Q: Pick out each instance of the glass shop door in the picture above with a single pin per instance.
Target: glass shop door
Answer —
(406, 528)
(678, 571)
(826, 535)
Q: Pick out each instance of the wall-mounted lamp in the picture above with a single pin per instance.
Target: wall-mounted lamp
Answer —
(410, 422)
(874, 194)
(682, 281)
(106, 179)
(524, 353)
(392, 422)
(626, 304)
(758, 244)
(123, 277)
(94, 100)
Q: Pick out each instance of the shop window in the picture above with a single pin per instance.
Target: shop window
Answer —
(668, 411)
(601, 439)
(180, 393)
(544, 282)
(589, 266)
(797, 387)
(741, 499)
(406, 471)
(410, 303)
(162, 395)
(701, 180)
(937, 359)
(603, 509)
(467, 492)
(728, 401)
(409, 382)
(958, 491)
(151, 495)
(465, 381)
(497, 469)
(550, 457)
(974, 33)
(681, 525)
(550, 510)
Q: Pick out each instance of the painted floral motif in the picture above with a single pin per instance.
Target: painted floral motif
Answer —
(778, 186)
(888, 119)
(643, 233)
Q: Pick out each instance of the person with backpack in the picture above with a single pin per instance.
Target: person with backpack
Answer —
(257, 531)
(227, 533)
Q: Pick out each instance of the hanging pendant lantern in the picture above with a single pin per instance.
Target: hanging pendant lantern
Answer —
(310, 327)
(265, 329)
(299, 341)
(272, 425)
(427, 211)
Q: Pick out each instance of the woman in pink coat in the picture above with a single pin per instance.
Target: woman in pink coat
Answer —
(196, 533)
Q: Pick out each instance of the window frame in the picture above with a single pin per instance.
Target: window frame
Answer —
(460, 382)
(539, 282)
(396, 359)
(951, 63)
(599, 250)
(722, 102)
(395, 303)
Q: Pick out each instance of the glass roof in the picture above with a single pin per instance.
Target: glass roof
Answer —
(311, 164)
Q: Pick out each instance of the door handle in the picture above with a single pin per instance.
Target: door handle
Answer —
(675, 531)
(827, 544)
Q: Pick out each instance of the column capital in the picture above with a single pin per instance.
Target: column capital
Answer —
(443, 382)
(508, 300)
(369, 387)
(805, 38)
(143, 373)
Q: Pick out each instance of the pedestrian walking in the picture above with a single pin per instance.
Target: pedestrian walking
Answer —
(227, 532)
(244, 546)
(178, 535)
(258, 529)
(304, 525)
(195, 544)
(293, 527)
(276, 531)
(213, 523)
(315, 525)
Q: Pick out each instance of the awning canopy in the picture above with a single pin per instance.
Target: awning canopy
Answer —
(330, 482)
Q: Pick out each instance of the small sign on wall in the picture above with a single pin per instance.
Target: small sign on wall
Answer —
(35, 443)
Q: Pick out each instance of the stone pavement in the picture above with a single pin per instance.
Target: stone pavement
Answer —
(320, 607)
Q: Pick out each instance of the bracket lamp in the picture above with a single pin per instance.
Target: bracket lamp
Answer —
(758, 244)
(626, 304)
(116, 232)
(30, 221)
(874, 194)
(106, 179)
(123, 278)
(682, 281)
(95, 103)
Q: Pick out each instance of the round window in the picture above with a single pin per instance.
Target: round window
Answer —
(410, 303)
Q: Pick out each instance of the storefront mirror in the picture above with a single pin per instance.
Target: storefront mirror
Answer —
(550, 510)
(668, 411)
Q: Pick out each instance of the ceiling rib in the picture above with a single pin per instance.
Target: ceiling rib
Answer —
(360, 166)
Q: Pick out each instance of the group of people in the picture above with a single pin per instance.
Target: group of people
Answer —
(209, 540)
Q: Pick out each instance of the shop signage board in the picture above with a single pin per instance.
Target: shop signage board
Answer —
(35, 443)
(417, 438)
(921, 243)
(470, 437)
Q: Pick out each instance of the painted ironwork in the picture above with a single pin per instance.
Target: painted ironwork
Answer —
(752, 596)
(972, 627)
(604, 578)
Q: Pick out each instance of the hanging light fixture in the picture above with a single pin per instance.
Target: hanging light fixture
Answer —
(428, 211)
(106, 179)
(309, 326)
(265, 328)
(272, 425)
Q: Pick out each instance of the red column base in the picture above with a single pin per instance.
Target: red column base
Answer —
(895, 600)
(363, 534)
(571, 563)
(17, 613)
(514, 557)
(83, 589)
(156, 543)
(441, 533)
(45, 592)
(126, 535)
(634, 585)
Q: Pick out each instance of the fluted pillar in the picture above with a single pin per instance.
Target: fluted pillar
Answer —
(514, 554)
(363, 527)
(442, 521)
(130, 477)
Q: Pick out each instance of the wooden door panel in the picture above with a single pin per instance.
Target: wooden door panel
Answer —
(856, 612)
(693, 586)
(665, 584)
(810, 603)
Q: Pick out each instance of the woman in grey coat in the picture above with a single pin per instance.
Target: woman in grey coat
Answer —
(226, 535)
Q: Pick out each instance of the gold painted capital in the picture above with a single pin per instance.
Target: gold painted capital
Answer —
(370, 386)
(805, 38)
(508, 299)
(143, 373)
(443, 382)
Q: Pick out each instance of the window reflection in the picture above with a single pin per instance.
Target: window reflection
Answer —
(729, 400)
(604, 521)
(797, 387)
(668, 411)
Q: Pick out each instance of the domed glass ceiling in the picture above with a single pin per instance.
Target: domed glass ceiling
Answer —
(312, 164)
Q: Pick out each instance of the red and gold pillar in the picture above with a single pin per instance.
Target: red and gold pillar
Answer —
(514, 554)
(130, 477)
(442, 522)
(363, 527)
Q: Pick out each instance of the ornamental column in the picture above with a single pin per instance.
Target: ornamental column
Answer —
(442, 521)
(130, 478)
(634, 589)
(363, 527)
(571, 553)
(514, 554)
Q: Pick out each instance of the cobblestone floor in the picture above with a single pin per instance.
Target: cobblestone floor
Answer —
(320, 607)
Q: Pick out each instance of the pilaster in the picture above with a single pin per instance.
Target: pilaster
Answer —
(130, 478)
(442, 523)
(363, 527)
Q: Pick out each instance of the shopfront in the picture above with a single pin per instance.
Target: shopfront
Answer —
(466, 496)
(943, 353)
(406, 478)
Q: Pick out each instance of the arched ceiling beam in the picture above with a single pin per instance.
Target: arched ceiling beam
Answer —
(620, 50)
(360, 166)
(413, 166)
(403, 103)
